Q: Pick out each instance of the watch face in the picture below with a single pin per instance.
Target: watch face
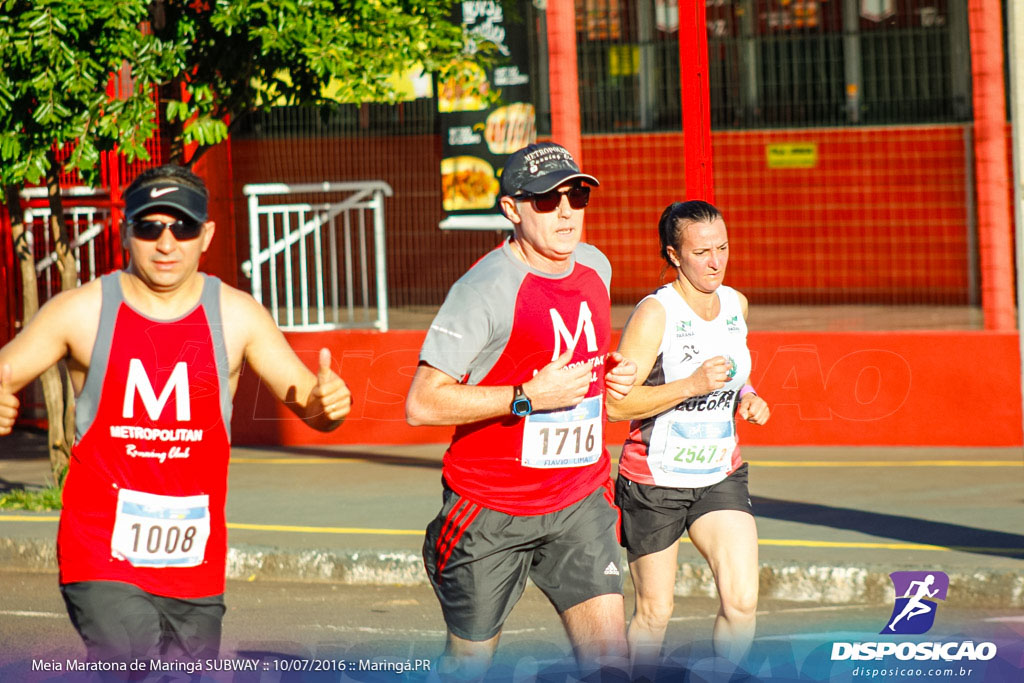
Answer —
(521, 406)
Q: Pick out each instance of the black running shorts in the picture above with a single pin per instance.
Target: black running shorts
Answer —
(121, 622)
(655, 517)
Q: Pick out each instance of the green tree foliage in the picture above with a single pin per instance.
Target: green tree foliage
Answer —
(216, 59)
(213, 61)
(56, 116)
(58, 58)
(238, 56)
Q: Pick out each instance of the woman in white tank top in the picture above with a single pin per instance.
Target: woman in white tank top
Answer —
(681, 468)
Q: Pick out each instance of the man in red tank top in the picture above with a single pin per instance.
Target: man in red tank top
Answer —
(154, 353)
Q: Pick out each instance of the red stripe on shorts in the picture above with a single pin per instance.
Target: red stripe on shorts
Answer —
(609, 495)
(455, 515)
(444, 551)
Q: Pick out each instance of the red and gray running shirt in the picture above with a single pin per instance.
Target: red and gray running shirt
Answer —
(501, 323)
(693, 444)
(145, 493)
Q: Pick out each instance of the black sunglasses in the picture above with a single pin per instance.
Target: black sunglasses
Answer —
(182, 229)
(546, 202)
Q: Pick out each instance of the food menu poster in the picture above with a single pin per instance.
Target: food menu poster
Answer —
(485, 114)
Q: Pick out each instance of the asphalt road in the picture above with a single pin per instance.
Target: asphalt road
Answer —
(833, 523)
(302, 623)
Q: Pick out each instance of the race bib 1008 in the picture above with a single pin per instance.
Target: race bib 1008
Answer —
(160, 531)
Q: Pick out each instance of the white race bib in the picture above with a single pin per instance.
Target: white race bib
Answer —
(699, 448)
(564, 438)
(160, 531)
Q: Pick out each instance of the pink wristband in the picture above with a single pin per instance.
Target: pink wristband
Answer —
(747, 389)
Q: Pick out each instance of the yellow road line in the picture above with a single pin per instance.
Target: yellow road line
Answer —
(325, 460)
(325, 529)
(887, 463)
(328, 460)
(793, 543)
(863, 545)
(254, 527)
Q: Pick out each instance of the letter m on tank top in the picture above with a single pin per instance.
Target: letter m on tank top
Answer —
(138, 384)
(584, 327)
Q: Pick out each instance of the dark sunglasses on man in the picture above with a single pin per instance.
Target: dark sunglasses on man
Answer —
(546, 202)
(182, 229)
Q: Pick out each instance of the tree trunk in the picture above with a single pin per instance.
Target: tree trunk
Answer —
(175, 129)
(23, 250)
(59, 228)
(56, 410)
(61, 406)
(59, 447)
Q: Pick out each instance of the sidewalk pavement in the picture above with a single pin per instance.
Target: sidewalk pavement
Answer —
(833, 522)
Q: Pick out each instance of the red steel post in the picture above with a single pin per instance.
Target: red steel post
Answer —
(696, 100)
(991, 160)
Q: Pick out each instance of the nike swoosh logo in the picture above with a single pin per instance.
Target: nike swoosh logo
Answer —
(154, 193)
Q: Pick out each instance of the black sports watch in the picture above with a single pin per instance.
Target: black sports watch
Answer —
(521, 406)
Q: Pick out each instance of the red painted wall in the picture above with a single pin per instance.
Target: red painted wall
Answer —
(215, 168)
(885, 388)
(882, 216)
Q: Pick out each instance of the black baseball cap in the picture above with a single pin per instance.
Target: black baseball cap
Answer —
(167, 195)
(540, 167)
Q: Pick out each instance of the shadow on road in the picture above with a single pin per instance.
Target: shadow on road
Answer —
(8, 486)
(907, 529)
(367, 455)
(24, 444)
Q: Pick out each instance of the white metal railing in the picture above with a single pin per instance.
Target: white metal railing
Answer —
(289, 260)
(84, 223)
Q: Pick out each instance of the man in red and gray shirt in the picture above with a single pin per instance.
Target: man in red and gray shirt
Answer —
(518, 360)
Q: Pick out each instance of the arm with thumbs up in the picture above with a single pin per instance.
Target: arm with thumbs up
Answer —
(8, 401)
(330, 399)
(316, 395)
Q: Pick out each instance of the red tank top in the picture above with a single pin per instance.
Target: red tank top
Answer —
(146, 488)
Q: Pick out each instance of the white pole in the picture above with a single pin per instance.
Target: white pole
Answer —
(1015, 63)
(381, 260)
(256, 271)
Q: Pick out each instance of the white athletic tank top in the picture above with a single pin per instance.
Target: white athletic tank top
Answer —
(693, 444)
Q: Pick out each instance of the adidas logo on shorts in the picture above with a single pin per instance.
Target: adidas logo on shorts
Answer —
(611, 570)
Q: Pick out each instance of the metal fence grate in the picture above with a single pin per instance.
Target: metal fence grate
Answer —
(87, 216)
(777, 63)
(319, 264)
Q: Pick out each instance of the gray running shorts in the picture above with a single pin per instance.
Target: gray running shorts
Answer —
(478, 559)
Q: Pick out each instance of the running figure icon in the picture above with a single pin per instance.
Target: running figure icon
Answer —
(915, 605)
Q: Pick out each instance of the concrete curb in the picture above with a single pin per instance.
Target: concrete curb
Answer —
(28, 553)
(354, 567)
(835, 585)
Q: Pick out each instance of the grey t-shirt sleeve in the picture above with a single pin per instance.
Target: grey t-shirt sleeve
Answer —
(459, 333)
(591, 256)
